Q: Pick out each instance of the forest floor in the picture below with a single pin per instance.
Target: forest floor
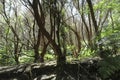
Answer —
(75, 70)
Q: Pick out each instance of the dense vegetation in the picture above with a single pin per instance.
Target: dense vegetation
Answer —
(37, 31)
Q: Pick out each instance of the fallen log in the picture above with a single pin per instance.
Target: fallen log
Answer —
(27, 71)
(75, 70)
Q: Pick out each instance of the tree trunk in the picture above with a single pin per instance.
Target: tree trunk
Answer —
(36, 47)
(36, 57)
(17, 59)
(61, 61)
(16, 55)
(43, 52)
(40, 19)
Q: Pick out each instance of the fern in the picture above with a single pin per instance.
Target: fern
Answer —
(111, 62)
(109, 66)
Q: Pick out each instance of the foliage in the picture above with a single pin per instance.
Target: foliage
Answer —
(109, 66)
(86, 53)
(111, 60)
(6, 59)
(26, 56)
(49, 57)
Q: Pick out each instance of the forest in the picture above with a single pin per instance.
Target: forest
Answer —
(59, 39)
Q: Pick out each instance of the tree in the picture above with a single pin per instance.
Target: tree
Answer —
(12, 26)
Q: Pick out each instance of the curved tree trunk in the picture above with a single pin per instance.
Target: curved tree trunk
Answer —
(40, 19)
